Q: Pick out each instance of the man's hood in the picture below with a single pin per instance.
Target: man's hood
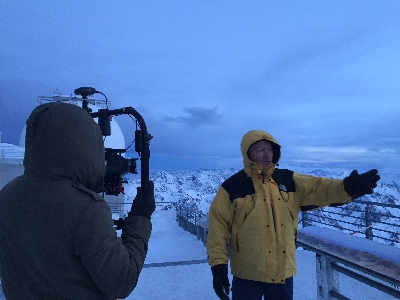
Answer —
(63, 142)
(254, 136)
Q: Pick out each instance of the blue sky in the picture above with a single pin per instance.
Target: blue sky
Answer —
(323, 77)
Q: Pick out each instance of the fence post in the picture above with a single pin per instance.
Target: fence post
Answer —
(187, 219)
(181, 223)
(327, 278)
(368, 230)
(195, 224)
(304, 218)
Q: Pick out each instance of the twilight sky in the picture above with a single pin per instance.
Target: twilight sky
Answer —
(323, 77)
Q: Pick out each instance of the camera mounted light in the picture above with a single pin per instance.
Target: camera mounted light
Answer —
(85, 91)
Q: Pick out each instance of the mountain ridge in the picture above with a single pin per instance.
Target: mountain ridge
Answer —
(196, 189)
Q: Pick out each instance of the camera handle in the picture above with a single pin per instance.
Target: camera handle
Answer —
(142, 140)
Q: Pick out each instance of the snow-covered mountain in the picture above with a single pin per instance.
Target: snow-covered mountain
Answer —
(196, 189)
(192, 192)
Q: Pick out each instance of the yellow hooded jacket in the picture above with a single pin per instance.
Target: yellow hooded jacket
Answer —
(257, 209)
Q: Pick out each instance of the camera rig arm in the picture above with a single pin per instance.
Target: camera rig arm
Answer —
(142, 138)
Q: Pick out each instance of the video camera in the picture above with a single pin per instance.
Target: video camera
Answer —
(116, 164)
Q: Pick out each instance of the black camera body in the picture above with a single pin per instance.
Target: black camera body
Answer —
(116, 167)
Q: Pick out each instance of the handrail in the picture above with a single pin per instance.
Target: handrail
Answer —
(339, 252)
(376, 203)
(367, 221)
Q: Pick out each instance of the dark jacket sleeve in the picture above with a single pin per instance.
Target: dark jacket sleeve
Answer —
(113, 263)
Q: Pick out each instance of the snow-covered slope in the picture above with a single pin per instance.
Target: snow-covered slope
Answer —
(197, 188)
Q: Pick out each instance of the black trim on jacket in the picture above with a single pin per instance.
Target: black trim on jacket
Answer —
(239, 185)
(284, 179)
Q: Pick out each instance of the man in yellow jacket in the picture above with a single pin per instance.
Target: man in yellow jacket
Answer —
(256, 210)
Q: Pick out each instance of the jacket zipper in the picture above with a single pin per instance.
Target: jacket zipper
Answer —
(271, 203)
(237, 244)
(273, 213)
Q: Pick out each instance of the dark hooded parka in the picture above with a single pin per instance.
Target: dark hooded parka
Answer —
(256, 210)
(57, 239)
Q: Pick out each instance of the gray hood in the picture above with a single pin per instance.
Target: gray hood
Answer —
(63, 142)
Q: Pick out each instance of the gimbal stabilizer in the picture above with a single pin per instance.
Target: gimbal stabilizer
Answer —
(116, 165)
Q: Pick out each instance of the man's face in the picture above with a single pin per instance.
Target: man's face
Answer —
(261, 152)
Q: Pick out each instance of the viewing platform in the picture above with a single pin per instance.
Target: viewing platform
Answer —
(372, 263)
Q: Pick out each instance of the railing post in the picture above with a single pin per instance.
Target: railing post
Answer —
(196, 225)
(327, 278)
(180, 215)
(304, 219)
(368, 228)
(187, 219)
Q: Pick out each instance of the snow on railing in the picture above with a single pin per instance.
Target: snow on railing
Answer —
(369, 262)
(8, 151)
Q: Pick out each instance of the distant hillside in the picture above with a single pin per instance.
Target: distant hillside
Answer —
(196, 188)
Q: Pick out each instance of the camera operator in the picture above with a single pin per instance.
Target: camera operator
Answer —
(57, 239)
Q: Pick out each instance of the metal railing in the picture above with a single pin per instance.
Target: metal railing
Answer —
(8, 151)
(374, 220)
(193, 222)
(119, 207)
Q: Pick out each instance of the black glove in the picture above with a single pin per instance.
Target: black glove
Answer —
(357, 185)
(144, 205)
(221, 281)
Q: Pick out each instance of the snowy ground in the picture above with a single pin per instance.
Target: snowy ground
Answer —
(175, 269)
(170, 243)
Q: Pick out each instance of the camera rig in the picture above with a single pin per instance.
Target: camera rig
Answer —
(116, 164)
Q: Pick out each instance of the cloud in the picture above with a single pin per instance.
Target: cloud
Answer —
(324, 52)
(341, 154)
(312, 75)
(197, 116)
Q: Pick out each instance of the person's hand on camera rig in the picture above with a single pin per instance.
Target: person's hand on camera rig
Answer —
(144, 205)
